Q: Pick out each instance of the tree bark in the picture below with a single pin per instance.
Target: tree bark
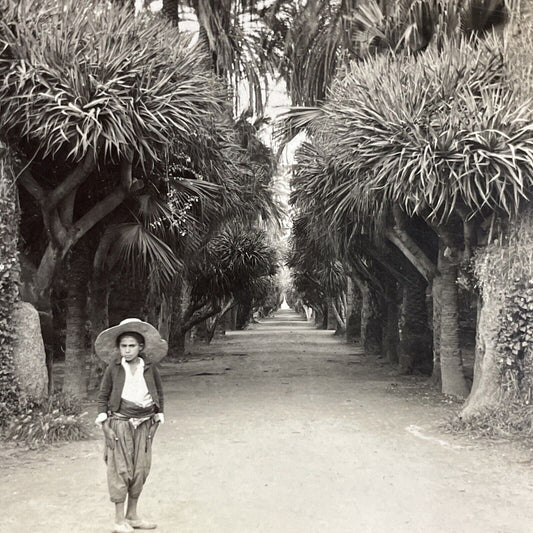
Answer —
(231, 319)
(165, 312)
(391, 337)
(486, 387)
(76, 350)
(321, 317)
(57, 210)
(340, 324)
(415, 342)
(353, 313)
(436, 290)
(180, 300)
(213, 322)
(453, 379)
(409, 248)
(371, 318)
(331, 322)
(99, 320)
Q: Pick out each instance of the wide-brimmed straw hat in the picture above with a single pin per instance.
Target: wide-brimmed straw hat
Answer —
(155, 348)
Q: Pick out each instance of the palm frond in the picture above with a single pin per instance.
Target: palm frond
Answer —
(426, 132)
(76, 78)
(142, 253)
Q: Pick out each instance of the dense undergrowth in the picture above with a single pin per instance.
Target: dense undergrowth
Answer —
(510, 421)
(58, 418)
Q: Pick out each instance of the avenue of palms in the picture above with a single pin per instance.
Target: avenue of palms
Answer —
(139, 170)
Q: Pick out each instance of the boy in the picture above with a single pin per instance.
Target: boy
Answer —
(130, 409)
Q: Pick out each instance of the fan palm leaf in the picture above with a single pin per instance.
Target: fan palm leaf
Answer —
(141, 252)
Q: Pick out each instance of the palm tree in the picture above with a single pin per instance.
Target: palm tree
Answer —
(236, 39)
(451, 149)
(503, 272)
(375, 267)
(159, 239)
(126, 102)
(94, 106)
(236, 264)
(317, 271)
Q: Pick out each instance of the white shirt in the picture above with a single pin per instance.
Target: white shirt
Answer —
(135, 389)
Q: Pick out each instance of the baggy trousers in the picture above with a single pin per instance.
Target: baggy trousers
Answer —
(128, 465)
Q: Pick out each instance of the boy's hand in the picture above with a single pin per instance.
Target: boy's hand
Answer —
(110, 436)
(153, 429)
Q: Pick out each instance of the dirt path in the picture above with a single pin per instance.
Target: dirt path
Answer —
(284, 429)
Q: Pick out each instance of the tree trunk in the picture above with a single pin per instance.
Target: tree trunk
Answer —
(57, 210)
(436, 290)
(321, 317)
(371, 319)
(324, 316)
(486, 387)
(99, 320)
(210, 328)
(165, 312)
(453, 379)
(391, 337)
(214, 322)
(415, 341)
(231, 319)
(180, 302)
(339, 324)
(331, 322)
(49, 340)
(76, 350)
(353, 313)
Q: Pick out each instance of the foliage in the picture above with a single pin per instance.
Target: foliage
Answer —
(156, 236)
(314, 257)
(59, 418)
(319, 39)
(66, 404)
(86, 91)
(93, 77)
(428, 133)
(235, 262)
(504, 421)
(10, 395)
(504, 274)
(314, 38)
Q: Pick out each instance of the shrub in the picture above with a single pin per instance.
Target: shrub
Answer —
(59, 418)
(67, 404)
(9, 276)
(503, 421)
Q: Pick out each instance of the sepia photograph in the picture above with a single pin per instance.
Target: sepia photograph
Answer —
(266, 266)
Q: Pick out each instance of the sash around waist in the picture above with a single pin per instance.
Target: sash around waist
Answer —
(130, 410)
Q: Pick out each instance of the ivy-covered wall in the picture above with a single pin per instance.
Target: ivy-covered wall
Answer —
(9, 276)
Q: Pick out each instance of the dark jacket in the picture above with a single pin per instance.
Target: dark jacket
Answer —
(113, 383)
